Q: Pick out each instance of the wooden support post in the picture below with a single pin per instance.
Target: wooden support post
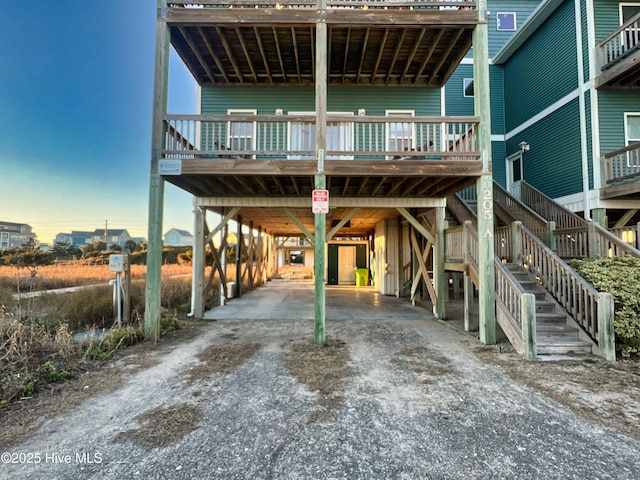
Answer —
(223, 259)
(470, 323)
(516, 244)
(400, 269)
(320, 220)
(484, 185)
(439, 277)
(606, 336)
(199, 260)
(239, 243)
(156, 183)
(528, 316)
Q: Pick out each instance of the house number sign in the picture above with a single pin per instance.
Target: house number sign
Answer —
(487, 212)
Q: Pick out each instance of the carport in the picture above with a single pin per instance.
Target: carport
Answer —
(282, 299)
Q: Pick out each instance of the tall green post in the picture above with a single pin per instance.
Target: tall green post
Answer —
(156, 182)
(484, 185)
(320, 220)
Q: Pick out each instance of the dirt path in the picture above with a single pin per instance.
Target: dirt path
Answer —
(383, 399)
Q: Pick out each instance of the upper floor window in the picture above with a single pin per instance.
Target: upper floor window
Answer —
(467, 87)
(241, 135)
(632, 127)
(401, 134)
(506, 21)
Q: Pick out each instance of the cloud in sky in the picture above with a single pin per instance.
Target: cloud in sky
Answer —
(76, 83)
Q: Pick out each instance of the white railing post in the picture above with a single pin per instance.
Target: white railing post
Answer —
(528, 318)
(606, 335)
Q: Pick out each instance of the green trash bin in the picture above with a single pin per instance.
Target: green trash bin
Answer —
(362, 277)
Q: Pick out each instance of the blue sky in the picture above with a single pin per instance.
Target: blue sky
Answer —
(76, 83)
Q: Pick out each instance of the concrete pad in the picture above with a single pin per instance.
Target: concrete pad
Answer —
(294, 299)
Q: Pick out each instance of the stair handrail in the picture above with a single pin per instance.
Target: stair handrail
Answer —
(518, 211)
(549, 209)
(460, 210)
(610, 245)
(515, 308)
(591, 310)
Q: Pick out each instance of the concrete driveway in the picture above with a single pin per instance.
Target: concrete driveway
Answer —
(406, 399)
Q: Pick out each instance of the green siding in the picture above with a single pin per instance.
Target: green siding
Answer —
(554, 163)
(607, 18)
(455, 101)
(522, 9)
(425, 101)
(543, 70)
(612, 104)
(498, 156)
(457, 104)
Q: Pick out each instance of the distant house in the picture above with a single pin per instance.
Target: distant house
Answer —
(83, 238)
(14, 235)
(177, 238)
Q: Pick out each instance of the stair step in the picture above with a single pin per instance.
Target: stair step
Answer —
(562, 345)
(551, 317)
(547, 330)
(543, 306)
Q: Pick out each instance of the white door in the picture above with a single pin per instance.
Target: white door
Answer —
(346, 265)
(514, 174)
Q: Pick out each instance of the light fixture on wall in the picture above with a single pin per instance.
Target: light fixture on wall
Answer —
(524, 147)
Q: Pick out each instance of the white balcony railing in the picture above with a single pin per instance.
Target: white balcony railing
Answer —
(293, 137)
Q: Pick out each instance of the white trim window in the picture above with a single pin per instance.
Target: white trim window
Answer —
(401, 136)
(241, 135)
(631, 136)
(467, 87)
(302, 136)
(506, 22)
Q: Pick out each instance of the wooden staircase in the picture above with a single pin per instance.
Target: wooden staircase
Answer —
(555, 336)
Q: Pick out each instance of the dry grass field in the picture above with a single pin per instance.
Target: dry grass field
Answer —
(71, 274)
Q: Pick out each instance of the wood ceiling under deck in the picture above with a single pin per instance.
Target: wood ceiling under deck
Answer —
(378, 189)
(269, 46)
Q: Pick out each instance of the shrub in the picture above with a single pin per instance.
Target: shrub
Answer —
(619, 276)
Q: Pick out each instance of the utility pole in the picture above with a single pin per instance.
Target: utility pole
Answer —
(105, 232)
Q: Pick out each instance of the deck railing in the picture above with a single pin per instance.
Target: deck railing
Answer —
(590, 309)
(620, 44)
(622, 165)
(364, 4)
(348, 137)
(515, 308)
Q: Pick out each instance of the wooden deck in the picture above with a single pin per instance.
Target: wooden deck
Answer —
(621, 170)
(272, 42)
(619, 57)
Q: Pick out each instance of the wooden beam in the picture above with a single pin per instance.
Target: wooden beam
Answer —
(439, 277)
(294, 40)
(417, 225)
(197, 284)
(334, 202)
(362, 55)
(342, 223)
(245, 50)
(444, 57)
(380, 53)
(628, 215)
(156, 184)
(239, 243)
(300, 225)
(395, 55)
(211, 51)
(484, 185)
(276, 40)
(263, 54)
(225, 219)
(412, 54)
(422, 268)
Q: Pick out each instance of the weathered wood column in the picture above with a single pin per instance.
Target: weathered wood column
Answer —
(439, 277)
(199, 260)
(320, 220)
(484, 185)
(156, 183)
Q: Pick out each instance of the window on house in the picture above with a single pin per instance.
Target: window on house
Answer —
(631, 35)
(302, 137)
(467, 87)
(632, 128)
(241, 135)
(506, 21)
(632, 135)
(400, 135)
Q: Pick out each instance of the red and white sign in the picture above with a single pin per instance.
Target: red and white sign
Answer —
(320, 201)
